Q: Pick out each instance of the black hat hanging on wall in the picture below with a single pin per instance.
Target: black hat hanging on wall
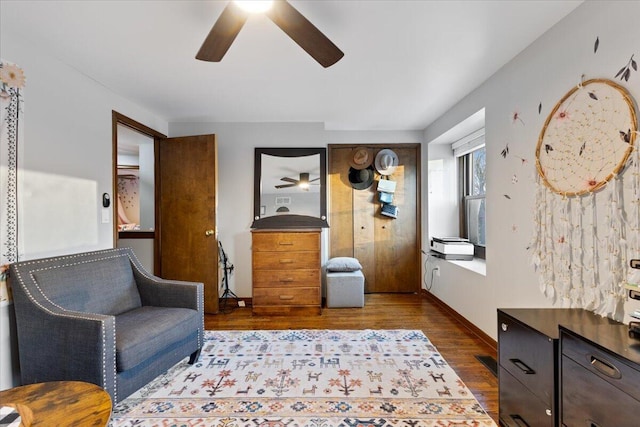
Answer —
(361, 179)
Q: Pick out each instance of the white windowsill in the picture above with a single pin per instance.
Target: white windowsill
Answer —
(477, 265)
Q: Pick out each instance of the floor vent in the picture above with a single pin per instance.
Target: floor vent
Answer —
(490, 363)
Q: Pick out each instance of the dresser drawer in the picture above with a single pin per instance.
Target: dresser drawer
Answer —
(286, 260)
(286, 296)
(286, 242)
(286, 278)
(286, 272)
(519, 407)
(605, 365)
(589, 401)
(527, 355)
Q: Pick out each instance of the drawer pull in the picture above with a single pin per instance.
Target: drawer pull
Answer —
(605, 367)
(522, 366)
(286, 280)
(286, 261)
(285, 243)
(519, 420)
(286, 297)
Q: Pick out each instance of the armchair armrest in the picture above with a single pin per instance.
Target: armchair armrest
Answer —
(171, 293)
(160, 292)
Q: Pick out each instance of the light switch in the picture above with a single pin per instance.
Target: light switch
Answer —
(105, 216)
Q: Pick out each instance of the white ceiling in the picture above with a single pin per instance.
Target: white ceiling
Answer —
(405, 63)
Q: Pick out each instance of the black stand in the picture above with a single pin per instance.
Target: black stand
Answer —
(227, 293)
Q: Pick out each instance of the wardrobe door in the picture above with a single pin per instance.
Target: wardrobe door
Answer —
(387, 248)
(396, 253)
(340, 202)
(364, 230)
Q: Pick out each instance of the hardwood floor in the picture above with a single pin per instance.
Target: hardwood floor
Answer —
(455, 342)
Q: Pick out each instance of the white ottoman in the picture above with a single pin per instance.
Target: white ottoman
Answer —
(345, 289)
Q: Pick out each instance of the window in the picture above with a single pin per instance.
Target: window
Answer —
(471, 155)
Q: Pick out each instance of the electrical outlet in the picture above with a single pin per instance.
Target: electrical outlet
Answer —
(436, 270)
(240, 303)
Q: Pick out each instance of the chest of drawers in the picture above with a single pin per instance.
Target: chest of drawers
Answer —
(600, 376)
(286, 272)
(528, 363)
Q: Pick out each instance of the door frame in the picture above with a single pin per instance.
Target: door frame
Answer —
(121, 119)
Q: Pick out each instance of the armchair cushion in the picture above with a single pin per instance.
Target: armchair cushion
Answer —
(143, 332)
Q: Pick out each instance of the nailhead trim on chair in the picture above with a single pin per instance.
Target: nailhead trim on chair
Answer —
(72, 314)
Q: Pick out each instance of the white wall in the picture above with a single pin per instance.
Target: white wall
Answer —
(543, 72)
(64, 163)
(236, 144)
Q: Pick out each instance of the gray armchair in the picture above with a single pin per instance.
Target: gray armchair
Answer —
(100, 317)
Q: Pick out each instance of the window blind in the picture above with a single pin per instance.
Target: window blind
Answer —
(467, 144)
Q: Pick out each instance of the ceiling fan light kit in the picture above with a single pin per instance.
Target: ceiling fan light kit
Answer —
(285, 16)
(255, 6)
(303, 182)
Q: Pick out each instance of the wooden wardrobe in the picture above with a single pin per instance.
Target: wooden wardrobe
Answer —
(387, 248)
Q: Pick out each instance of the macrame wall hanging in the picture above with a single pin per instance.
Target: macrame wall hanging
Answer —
(12, 82)
(585, 229)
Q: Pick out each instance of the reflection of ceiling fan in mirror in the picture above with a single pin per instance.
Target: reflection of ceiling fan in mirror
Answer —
(285, 16)
(303, 182)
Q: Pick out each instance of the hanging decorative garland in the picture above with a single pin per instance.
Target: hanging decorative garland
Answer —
(12, 81)
(587, 141)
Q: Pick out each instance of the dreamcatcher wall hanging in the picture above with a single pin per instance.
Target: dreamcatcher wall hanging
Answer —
(585, 229)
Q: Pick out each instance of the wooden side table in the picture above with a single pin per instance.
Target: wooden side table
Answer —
(69, 403)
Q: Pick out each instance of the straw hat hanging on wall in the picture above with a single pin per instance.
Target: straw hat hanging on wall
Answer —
(361, 158)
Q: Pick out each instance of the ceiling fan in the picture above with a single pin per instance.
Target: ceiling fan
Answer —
(303, 182)
(285, 16)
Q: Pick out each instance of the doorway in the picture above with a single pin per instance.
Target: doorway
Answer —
(174, 230)
(133, 170)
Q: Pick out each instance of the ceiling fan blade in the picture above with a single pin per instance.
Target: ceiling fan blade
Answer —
(315, 179)
(287, 179)
(286, 185)
(223, 33)
(304, 33)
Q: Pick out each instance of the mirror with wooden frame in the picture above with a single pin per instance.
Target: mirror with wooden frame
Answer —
(290, 188)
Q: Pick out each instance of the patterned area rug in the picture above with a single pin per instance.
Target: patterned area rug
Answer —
(315, 378)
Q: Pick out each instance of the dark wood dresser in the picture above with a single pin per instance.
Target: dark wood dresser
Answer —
(286, 271)
(600, 376)
(528, 363)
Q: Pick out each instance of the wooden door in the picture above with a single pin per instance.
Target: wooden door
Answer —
(186, 212)
(387, 248)
(397, 261)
